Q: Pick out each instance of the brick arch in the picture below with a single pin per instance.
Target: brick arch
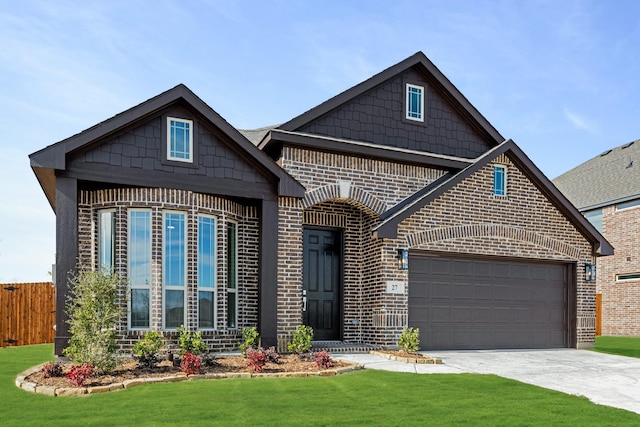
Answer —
(354, 193)
(492, 230)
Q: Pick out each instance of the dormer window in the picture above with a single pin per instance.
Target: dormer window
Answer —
(415, 103)
(179, 140)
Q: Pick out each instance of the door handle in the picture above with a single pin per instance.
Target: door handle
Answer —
(304, 303)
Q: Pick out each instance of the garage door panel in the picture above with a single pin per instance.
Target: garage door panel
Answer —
(484, 303)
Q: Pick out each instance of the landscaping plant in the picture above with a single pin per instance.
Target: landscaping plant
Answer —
(191, 341)
(272, 355)
(256, 358)
(93, 313)
(52, 369)
(146, 350)
(191, 364)
(409, 340)
(251, 339)
(323, 359)
(301, 342)
(78, 374)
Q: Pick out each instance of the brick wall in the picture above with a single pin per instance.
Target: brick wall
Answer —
(121, 200)
(350, 193)
(620, 299)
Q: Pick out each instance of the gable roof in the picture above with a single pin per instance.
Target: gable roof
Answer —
(54, 157)
(388, 228)
(418, 59)
(608, 178)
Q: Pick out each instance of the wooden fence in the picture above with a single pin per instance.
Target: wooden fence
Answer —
(27, 313)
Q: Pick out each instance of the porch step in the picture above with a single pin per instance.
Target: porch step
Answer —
(342, 347)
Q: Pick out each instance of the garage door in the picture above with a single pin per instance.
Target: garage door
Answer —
(463, 303)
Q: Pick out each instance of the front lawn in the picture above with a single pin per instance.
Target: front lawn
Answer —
(622, 346)
(363, 397)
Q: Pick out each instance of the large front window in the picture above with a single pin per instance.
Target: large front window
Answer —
(232, 275)
(106, 239)
(206, 272)
(139, 250)
(174, 269)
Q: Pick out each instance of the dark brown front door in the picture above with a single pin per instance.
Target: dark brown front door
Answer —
(321, 282)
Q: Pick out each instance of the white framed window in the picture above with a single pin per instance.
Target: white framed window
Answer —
(595, 218)
(106, 238)
(139, 268)
(415, 103)
(627, 277)
(207, 295)
(232, 275)
(179, 140)
(499, 180)
(174, 271)
(627, 205)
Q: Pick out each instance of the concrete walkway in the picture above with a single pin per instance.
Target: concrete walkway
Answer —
(602, 378)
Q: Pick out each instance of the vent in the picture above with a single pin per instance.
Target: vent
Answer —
(605, 153)
(628, 145)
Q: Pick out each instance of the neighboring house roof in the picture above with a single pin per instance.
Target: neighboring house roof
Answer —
(417, 59)
(609, 178)
(388, 227)
(45, 162)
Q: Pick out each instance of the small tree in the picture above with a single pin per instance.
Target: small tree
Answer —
(93, 314)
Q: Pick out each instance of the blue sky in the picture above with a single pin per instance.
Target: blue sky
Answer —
(558, 77)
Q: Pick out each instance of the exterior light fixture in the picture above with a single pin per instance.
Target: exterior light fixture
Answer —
(590, 272)
(403, 259)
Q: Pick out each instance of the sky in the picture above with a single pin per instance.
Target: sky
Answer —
(560, 78)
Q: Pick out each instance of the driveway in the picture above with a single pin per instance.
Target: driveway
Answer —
(602, 378)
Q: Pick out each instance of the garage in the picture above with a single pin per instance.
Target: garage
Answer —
(488, 303)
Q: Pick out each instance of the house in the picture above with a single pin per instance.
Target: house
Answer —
(394, 203)
(606, 189)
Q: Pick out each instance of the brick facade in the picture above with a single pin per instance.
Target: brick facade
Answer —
(348, 192)
(620, 298)
(192, 204)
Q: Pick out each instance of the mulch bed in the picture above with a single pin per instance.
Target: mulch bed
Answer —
(129, 369)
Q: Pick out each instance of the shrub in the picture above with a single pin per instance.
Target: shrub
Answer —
(272, 355)
(301, 342)
(50, 370)
(191, 364)
(191, 341)
(146, 349)
(251, 339)
(78, 374)
(209, 360)
(93, 314)
(409, 340)
(257, 359)
(323, 359)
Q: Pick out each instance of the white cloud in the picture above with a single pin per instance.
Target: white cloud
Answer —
(578, 121)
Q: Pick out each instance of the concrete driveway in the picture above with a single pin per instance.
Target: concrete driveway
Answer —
(602, 378)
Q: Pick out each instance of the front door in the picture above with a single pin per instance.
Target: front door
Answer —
(321, 282)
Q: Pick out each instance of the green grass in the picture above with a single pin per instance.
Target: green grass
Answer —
(622, 346)
(364, 397)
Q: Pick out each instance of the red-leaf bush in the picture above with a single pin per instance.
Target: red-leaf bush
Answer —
(51, 369)
(257, 359)
(78, 374)
(191, 364)
(323, 359)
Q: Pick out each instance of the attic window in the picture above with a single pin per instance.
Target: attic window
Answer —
(415, 103)
(179, 140)
(499, 180)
